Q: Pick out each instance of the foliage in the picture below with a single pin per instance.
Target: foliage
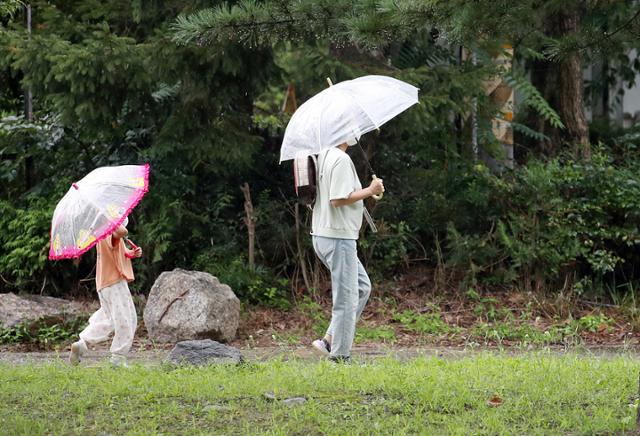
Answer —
(24, 239)
(111, 89)
(200, 97)
(530, 96)
(9, 7)
(314, 311)
(427, 324)
(252, 287)
(43, 333)
(560, 222)
(379, 334)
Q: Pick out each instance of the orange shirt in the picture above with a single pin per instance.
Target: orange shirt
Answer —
(111, 263)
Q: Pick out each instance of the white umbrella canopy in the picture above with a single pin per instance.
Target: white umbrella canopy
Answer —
(343, 112)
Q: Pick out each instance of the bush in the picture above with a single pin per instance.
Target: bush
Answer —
(24, 240)
(259, 286)
(561, 222)
(43, 333)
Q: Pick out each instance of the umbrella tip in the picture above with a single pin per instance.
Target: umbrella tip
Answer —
(74, 185)
(329, 81)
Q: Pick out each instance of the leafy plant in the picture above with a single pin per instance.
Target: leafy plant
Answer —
(426, 324)
(315, 313)
(43, 333)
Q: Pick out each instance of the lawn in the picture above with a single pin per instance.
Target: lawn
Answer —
(537, 393)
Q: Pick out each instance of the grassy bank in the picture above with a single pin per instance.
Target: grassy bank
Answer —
(482, 394)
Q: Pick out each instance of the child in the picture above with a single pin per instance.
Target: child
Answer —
(337, 218)
(117, 312)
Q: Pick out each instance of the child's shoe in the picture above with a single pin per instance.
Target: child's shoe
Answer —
(119, 361)
(78, 349)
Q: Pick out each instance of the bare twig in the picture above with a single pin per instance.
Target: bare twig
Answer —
(595, 303)
(6, 281)
(300, 252)
(250, 221)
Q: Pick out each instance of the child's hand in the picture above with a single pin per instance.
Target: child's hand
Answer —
(137, 252)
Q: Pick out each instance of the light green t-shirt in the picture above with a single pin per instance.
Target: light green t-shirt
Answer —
(337, 179)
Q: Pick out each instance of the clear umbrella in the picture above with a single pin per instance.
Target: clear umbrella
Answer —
(345, 112)
(94, 207)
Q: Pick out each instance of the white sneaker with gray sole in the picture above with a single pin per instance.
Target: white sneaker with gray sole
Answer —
(321, 346)
(78, 349)
(119, 361)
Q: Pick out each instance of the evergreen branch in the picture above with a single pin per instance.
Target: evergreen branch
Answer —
(609, 35)
(535, 100)
(527, 131)
(251, 23)
(9, 7)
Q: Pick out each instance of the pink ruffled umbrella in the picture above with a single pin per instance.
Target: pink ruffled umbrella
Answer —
(94, 207)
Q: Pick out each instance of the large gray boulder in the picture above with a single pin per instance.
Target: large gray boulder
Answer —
(204, 352)
(185, 305)
(26, 309)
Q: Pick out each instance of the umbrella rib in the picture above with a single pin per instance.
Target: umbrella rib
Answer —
(319, 144)
(100, 210)
(73, 231)
(364, 111)
(112, 183)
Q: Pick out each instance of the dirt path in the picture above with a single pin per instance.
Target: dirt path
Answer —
(153, 357)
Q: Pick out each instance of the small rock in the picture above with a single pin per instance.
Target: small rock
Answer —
(270, 396)
(216, 407)
(294, 401)
(204, 352)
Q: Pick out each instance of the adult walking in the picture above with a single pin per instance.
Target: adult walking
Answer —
(326, 125)
(337, 218)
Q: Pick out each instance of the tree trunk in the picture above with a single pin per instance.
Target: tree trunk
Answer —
(570, 92)
(561, 83)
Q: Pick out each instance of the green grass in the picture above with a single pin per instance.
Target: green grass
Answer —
(382, 334)
(541, 393)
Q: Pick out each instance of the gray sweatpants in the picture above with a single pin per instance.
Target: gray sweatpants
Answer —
(350, 289)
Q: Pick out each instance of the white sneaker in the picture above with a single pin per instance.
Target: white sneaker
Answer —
(78, 349)
(119, 361)
(321, 347)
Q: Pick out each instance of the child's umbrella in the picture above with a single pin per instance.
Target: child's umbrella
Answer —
(94, 207)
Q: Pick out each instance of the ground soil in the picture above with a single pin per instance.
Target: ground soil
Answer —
(290, 331)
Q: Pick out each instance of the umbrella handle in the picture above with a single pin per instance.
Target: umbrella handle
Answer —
(135, 247)
(377, 197)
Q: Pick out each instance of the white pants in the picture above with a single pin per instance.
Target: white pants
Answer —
(116, 314)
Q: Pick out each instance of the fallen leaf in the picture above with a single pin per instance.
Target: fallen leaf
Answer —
(495, 401)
